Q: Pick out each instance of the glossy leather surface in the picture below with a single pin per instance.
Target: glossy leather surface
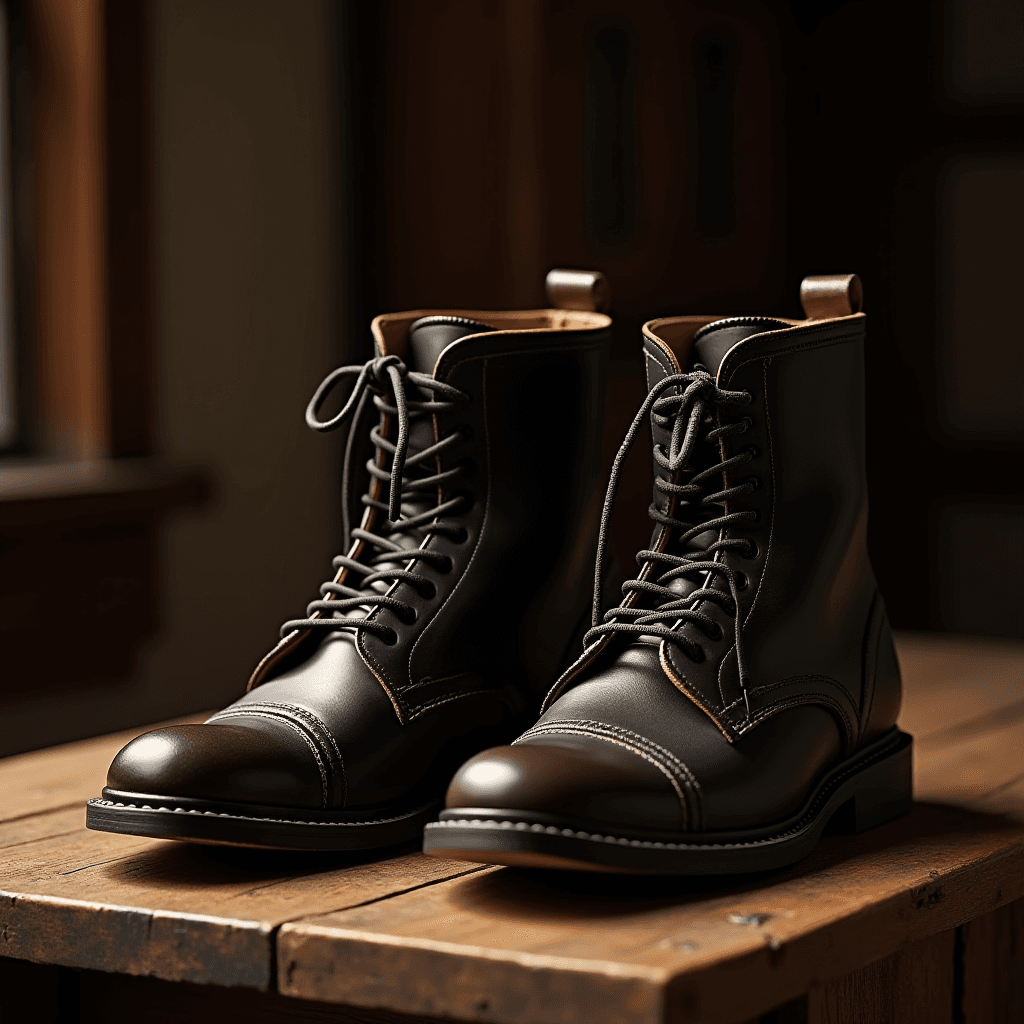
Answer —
(360, 723)
(581, 777)
(229, 762)
(823, 676)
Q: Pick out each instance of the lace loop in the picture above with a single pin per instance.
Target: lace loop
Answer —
(682, 414)
(380, 375)
(387, 378)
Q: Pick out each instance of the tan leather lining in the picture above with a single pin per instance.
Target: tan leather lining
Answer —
(391, 330)
(675, 335)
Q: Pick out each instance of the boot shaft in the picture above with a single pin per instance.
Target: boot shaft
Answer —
(536, 385)
(812, 617)
(505, 598)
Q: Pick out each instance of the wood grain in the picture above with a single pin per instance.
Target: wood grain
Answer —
(950, 683)
(518, 947)
(510, 946)
(984, 772)
(43, 994)
(409, 934)
(993, 966)
(914, 986)
(63, 776)
(176, 911)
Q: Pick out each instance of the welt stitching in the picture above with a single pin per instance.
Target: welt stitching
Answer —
(243, 712)
(821, 798)
(173, 807)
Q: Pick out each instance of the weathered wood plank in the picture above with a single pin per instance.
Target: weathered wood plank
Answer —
(43, 994)
(950, 682)
(914, 986)
(61, 776)
(984, 771)
(993, 966)
(501, 945)
(516, 947)
(173, 910)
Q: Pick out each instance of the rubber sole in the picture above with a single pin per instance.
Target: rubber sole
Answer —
(867, 790)
(272, 828)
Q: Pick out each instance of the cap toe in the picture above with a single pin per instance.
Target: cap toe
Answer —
(591, 781)
(260, 763)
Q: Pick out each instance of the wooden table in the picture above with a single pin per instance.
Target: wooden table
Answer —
(921, 920)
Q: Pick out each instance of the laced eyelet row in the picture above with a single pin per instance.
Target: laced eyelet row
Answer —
(383, 559)
(682, 404)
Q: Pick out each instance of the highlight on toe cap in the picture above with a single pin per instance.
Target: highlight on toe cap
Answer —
(220, 762)
(579, 777)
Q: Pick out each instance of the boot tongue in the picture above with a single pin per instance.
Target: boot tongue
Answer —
(711, 343)
(431, 335)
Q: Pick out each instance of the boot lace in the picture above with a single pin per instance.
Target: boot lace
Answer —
(696, 505)
(386, 380)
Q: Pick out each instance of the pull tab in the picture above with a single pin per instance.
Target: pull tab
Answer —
(587, 290)
(831, 295)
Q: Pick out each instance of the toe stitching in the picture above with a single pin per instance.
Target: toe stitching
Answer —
(678, 773)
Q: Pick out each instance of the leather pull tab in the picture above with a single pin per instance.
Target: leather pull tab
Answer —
(831, 295)
(587, 290)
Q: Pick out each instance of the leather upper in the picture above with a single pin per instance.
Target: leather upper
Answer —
(363, 723)
(823, 675)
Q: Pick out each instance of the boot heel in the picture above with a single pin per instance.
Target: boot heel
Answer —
(884, 791)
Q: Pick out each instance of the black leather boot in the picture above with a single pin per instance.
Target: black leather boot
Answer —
(461, 595)
(746, 689)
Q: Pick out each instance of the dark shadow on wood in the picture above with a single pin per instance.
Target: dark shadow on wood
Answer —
(528, 894)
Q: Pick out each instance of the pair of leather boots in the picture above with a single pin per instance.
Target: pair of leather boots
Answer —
(740, 695)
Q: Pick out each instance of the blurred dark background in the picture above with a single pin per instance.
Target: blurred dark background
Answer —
(205, 201)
